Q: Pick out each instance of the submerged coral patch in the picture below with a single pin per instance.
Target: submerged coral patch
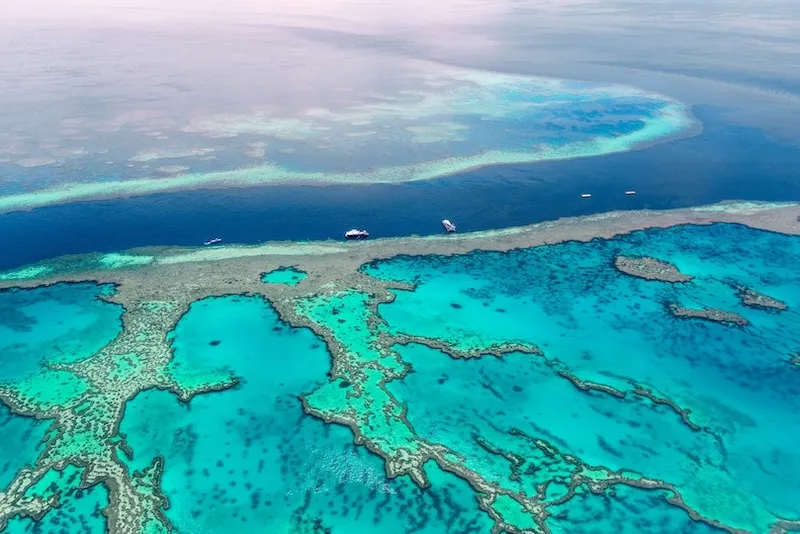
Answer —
(249, 457)
(445, 121)
(571, 301)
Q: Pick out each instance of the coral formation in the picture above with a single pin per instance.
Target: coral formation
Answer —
(483, 337)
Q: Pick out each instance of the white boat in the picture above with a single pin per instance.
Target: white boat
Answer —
(356, 234)
(450, 227)
(630, 193)
(213, 241)
(586, 195)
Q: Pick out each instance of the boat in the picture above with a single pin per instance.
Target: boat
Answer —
(630, 193)
(213, 241)
(356, 234)
(450, 227)
(586, 195)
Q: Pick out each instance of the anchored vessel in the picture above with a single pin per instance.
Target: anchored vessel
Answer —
(213, 241)
(630, 193)
(356, 234)
(450, 227)
(586, 195)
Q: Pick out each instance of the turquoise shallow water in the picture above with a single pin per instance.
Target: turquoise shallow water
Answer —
(79, 511)
(249, 459)
(58, 324)
(20, 445)
(608, 327)
(285, 275)
(624, 511)
(520, 392)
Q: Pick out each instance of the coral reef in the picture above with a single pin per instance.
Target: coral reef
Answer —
(344, 300)
(709, 314)
(750, 297)
(650, 269)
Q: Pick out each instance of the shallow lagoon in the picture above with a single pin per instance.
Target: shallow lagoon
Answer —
(285, 275)
(58, 324)
(713, 421)
(736, 383)
(21, 443)
(249, 457)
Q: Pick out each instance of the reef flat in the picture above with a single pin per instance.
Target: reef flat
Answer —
(394, 136)
(759, 300)
(476, 379)
(650, 269)
(709, 314)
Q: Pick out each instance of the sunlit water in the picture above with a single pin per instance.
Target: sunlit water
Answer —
(273, 94)
(492, 114)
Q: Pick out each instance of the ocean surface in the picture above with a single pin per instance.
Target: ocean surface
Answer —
(736, 383)
(249, 457)
(128, 102)
(723, 163)
(255, 461)
(164, 123)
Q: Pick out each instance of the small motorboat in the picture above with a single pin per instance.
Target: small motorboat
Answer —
(450, 227)
(586, 195)
(356, 234)
(213, 241)
(630, 193)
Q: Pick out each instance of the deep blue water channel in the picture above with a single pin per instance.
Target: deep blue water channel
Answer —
(722, 163)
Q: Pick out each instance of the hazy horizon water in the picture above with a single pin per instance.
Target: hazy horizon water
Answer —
(425, 121)
(182, 105)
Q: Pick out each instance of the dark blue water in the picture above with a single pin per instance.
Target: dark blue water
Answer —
(724, 162)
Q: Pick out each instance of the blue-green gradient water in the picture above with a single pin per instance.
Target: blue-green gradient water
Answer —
(284, 275)
(249, 459)
(738, 383)
(57, 324)
(46, 326)
(79, 512)
(21, 443)
(62, 323)
(142, 105)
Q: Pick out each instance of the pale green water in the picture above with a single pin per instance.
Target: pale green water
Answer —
(285, 275)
